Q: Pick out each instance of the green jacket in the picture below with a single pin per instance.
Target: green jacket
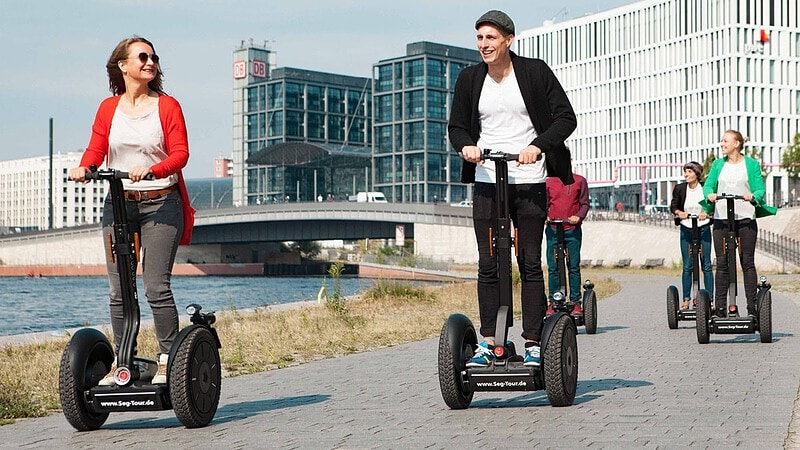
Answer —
(753, 178)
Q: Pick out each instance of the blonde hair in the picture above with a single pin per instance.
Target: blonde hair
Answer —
(738, 136)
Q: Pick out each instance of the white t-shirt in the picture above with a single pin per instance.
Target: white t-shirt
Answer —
(692, 205)
(506, 126)
(137, 141)
(733, 180)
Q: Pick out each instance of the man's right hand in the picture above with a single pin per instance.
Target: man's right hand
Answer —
(471, 153)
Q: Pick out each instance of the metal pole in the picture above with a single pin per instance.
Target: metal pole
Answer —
(50, 191)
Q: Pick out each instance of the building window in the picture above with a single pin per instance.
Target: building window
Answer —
(335, 100)
(356, 134)
(436, 136)
(335, 127)
(384, 106)
(314, 95)
(316, 126)
(353, 103)
(383, 139)
(415, 104)
(294, 123)
(436, 73)
(294, 96)
(384, 78)
(437, 107)
(415, 73)
(275, 99)
(275, 123)
(415, 136)
(252, 99)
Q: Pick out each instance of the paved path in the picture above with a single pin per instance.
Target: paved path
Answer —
(640, 385)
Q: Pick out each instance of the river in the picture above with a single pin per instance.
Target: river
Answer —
(30, 305)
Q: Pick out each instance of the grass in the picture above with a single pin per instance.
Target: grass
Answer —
(388, 314)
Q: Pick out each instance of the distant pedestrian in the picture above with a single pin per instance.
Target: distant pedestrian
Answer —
(141, 130)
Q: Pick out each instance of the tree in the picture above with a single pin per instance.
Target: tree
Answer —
(758, 155)
(791, 159)
(708, 162)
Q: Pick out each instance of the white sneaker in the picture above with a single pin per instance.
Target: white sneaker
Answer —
(161, 375)
(108, 380)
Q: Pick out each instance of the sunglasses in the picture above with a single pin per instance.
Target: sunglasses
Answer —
(144, 56)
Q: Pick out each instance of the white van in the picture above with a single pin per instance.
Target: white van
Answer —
(369, 197)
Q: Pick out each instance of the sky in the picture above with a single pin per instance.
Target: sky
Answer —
(53, 63)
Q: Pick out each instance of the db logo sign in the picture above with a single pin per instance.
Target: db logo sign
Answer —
(259, 69)
(239, 69)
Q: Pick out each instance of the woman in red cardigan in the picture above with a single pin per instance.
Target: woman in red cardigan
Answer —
(141, 130)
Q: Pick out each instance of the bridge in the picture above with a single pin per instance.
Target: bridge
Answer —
(219, 233)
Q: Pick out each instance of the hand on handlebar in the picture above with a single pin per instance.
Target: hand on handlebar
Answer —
(529, 155)
(683, 215)
(139, 173)
(471, 153)
(712, 197)
(78, 174)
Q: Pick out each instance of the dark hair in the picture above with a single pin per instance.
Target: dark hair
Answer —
(739, 138)
(116, 83)
(695, 167)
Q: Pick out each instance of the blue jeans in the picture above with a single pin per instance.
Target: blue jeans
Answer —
(572, 242)
(159, 223)
(705, 260)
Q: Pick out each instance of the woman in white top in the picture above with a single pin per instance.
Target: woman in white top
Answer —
(686, 198)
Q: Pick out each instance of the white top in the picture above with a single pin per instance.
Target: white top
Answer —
(733, 180)
(506, 126)
(137, 141)
(692, 205)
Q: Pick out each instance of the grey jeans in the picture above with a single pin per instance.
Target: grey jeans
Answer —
(159, 223)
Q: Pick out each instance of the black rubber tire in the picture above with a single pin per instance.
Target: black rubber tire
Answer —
(457, 343)
(672, 307)
(70, 388)
(560, 363)
(765, 317)
(590, 311)
(703, 316)
(195, 379)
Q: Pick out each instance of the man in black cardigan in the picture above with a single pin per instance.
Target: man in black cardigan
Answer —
(516, 105)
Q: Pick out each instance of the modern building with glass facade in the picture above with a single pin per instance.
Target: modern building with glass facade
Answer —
(412, 157)
(280, 105)
(656, 83)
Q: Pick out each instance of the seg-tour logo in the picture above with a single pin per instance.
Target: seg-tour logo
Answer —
(758, 46)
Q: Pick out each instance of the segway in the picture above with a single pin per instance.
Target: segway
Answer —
(194, 373)
(558, 373)
(732, 322)
(560, 302)
(674, 313)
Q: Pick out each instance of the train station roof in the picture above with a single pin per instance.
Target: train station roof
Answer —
(304, 154)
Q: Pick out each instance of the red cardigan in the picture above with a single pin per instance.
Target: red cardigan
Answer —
(177, 143)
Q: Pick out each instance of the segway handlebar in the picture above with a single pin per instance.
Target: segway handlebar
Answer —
(497, 155)
(112, 174)
(725, 196)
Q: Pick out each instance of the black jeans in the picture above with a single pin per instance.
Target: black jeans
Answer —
(747, 230)
(527, 207)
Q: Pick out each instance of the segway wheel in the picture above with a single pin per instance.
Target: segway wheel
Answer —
(457, 343)
(765, 316)
(195, 378)
(82, 367)
(560, 362)
(672, 307)
(590, 311)
(703, 316)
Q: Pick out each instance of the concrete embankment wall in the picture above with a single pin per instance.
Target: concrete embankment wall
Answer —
(610, 241)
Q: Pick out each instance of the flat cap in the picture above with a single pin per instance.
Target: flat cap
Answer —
(498, 19)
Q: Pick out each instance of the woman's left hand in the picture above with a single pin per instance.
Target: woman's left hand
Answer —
(529, 155)
(138, 173)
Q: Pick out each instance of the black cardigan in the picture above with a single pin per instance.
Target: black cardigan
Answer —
(678, 199)
(549, 108)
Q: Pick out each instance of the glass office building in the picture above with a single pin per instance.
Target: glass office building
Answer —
(412, 158)
(656, 83)
(281, 105)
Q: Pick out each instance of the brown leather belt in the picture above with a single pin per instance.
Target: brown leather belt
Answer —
(138, 196)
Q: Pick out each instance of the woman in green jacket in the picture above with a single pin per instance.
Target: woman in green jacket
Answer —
(736, 173)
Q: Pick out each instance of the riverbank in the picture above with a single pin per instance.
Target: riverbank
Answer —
(363, 270)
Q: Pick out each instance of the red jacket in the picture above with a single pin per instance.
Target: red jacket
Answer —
(567, 200)
(176, 141)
